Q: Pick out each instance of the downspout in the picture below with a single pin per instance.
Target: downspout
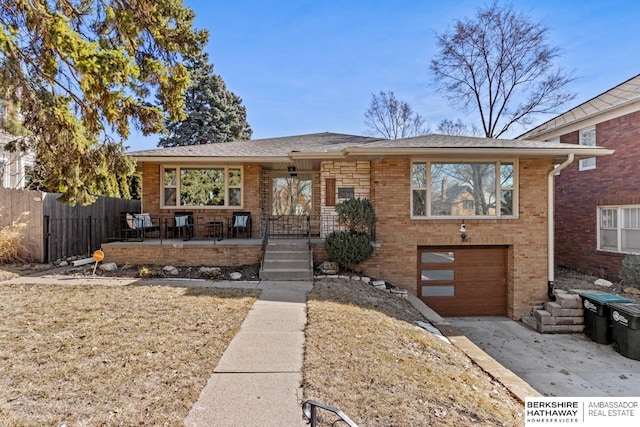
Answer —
(551, 223)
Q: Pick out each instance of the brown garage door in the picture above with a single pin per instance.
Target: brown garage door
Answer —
(464, 281)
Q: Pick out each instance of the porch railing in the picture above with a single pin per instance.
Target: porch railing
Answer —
(218, 227)
(302, 226)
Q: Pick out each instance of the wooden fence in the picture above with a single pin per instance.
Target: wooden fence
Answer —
(57, 231)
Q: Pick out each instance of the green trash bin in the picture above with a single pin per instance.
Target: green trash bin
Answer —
(597, 322)
(625, 320)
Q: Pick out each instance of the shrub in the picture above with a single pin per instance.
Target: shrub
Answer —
(11, 247)
(357, 215)
(630, 271)
(353, 245)
(348, 249)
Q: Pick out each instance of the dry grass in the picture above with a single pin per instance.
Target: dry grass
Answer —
(365, 355)
(88, 355)
(11, 247)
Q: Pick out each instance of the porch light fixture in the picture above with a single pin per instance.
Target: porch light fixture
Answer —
(292, 171)
(463, 232)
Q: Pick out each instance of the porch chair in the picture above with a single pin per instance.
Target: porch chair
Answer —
(134, 226)
(181, 225)
(240, 222)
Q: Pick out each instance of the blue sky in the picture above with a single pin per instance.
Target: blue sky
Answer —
(311, 66)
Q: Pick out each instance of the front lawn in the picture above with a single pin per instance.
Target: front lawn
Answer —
(366, 356)
(94, 355)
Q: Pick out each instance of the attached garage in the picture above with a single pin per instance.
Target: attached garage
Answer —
(464, 281)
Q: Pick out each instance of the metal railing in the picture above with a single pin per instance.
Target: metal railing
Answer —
(188, 226)
(310, 412)
(301, 226)
(203, 226)
(265, 239)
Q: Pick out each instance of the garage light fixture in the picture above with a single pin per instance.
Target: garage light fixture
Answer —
(463, 232)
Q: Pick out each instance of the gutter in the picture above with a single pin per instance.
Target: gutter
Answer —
(551, 223)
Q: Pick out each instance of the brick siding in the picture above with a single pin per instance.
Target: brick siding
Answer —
(614, 181)
(181, 254)
(399, 237)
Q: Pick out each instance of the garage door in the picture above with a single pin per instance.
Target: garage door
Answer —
(464, 281)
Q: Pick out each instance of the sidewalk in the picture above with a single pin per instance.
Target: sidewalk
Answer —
(257, 382)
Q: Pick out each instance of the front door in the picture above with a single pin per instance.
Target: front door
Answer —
(291, 195)
(291, 205)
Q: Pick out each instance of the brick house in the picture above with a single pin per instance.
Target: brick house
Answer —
(597, 200)
(500, 267)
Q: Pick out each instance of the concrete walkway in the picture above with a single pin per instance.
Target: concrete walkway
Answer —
(257, 382)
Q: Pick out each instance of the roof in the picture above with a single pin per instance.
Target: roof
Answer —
(328, 145)
(623, 95)
(271, 147)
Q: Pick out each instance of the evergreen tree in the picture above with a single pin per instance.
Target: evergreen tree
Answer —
(214, 114)
(82, 72)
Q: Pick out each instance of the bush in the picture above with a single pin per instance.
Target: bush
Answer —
(11, 247)
(348, 249)
(357, 215)
(353, 245)
(630, 272)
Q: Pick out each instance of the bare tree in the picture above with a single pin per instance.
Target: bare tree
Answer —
(500, 64)
(457, 128)
(391, 118)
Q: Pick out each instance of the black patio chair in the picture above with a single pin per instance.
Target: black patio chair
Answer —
(240, 223)
(134, 226)
(181, 225)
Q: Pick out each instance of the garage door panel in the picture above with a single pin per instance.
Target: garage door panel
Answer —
(479, 281)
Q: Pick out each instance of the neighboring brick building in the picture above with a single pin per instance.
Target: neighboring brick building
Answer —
(498, 268)
(597, 201)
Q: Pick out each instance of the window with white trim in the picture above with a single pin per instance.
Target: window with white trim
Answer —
(588, 138)
(214, 187)
(463, 189)
(619, 229)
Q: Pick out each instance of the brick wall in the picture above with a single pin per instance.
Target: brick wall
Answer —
(181, 254)
(614, 181)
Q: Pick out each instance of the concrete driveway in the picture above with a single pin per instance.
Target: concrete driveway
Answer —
(568, 365)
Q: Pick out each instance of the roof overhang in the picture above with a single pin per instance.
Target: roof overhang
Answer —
(209, 159)
(580, 152)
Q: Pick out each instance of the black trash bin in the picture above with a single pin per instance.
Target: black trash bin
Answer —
(597, 322)
(625, 320)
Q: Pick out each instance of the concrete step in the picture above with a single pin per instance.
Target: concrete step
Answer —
(530, 321)
(276, 255)
(287, 246)
(562, 329)
(558, 310)
(286, 274)
(287, 260)
(284, 264)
